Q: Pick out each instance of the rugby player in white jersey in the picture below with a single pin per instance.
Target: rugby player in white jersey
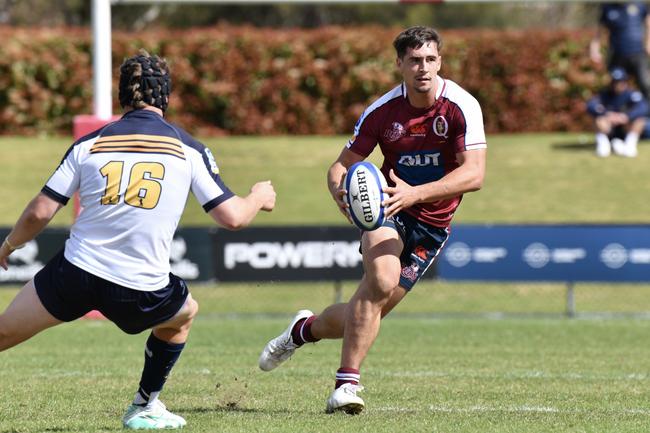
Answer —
(133, 177)
(431, 134)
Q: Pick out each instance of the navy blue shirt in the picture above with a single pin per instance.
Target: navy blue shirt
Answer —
(630, 102)
(626, 25)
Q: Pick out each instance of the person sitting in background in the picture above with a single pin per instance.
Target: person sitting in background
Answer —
(619, 115)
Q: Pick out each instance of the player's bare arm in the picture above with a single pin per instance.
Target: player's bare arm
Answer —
(336, 176)
(38, 213)
(466, 178)
(238, 212)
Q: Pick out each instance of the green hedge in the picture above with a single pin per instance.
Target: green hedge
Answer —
(244, 80)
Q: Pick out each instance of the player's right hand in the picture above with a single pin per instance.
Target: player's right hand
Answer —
(339, 195)
(266, 194)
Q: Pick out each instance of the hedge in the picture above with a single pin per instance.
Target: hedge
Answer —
(244, 80)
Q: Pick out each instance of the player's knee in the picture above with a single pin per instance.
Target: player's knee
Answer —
(180, 323)
(3, 335)
(193, 308)
(6, 335)
(383, 282)
(188, 313)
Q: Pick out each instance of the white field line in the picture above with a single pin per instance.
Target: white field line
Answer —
(533, 374)
(478, 409)
(59, 373)
(71, 373)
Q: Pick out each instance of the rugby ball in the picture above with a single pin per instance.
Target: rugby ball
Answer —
(365, 184)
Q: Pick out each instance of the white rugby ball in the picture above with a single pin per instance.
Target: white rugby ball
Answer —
(365, 193)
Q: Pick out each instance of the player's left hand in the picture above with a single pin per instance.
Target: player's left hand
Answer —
(266, 193)
(402, 195)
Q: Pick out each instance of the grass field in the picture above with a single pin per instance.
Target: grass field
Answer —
(531, 178)
(459, 370)
(423, 375)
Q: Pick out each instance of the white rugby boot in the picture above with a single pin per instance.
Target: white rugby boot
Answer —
(153, 416)
(345, 399)
(281, 347)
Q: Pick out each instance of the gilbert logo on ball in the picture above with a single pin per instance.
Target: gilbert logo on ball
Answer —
(364, 184)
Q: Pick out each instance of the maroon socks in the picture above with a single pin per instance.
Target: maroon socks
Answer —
(347, 375)
(301, 332)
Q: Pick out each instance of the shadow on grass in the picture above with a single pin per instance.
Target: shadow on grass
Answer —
(585, 145)
(68, 429)
(580, 146)
(231, 407)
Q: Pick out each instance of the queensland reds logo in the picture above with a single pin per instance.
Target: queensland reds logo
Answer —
(440, 126)
(396, 132)
(410, 272)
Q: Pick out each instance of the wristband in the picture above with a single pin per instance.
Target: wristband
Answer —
(11, 247)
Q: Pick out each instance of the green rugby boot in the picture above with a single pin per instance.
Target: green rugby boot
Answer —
(153, 416)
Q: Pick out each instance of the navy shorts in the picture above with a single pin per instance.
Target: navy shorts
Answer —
(68, 293)
(422, 243)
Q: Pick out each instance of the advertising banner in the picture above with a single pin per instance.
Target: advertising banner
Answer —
(25, 262)
(288, 254)
(191, 254)
(190, 258)
(566, 253)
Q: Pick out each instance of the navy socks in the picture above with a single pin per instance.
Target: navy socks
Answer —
(159, 358)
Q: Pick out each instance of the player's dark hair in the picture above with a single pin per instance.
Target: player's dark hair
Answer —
(414, 38)
(145, 79)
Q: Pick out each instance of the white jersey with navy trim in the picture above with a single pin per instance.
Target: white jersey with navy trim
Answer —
(133, 178)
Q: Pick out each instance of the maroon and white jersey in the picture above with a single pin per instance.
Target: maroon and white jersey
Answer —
(420, 144)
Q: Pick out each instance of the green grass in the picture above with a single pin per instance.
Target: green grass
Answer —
(423, 374)
(531, 178)
(441, 362)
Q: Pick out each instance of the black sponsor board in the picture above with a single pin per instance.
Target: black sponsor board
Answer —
(27, 261)
(202, 254)
(288, 254)
(190, 254)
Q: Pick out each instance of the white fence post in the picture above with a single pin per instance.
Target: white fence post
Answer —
(102, 62)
